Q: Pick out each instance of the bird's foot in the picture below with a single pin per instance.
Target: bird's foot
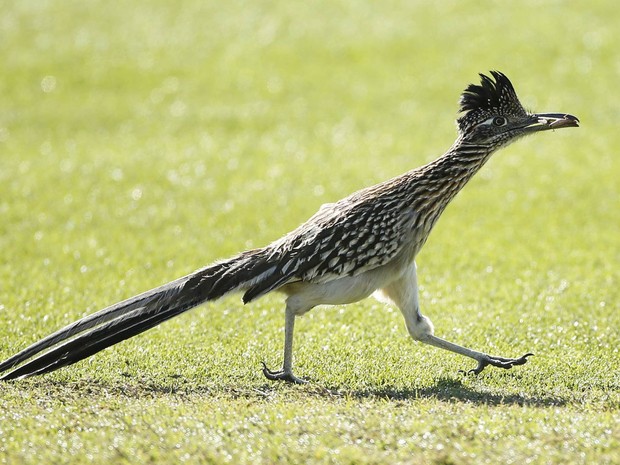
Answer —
(282, 376)
(500, 362)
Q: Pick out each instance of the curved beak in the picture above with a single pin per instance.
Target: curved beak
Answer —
(546, 121)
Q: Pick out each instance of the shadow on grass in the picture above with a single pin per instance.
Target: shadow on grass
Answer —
(450, 389)
(445, 389)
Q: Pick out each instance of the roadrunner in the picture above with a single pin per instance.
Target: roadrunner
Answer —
(363, 244)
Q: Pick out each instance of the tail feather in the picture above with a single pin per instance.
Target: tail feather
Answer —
(133, 316)
(91, 342)
(89, 321)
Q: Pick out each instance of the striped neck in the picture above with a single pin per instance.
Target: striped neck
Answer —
(450, 172)
(462, 161)
(434, 185)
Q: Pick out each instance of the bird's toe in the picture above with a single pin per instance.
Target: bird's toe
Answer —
(282, 375)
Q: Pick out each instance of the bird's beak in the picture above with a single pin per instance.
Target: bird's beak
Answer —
(546, 121)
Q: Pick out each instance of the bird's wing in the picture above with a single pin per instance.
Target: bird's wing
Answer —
(342, 239)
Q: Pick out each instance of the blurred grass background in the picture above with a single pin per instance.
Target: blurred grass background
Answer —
(142, 140)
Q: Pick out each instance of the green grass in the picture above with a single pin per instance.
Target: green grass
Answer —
(141, 141)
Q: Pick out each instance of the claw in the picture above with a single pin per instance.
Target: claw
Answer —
(281, 376)
(499, 362)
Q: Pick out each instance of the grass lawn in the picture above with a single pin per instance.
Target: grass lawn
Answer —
(142, 140)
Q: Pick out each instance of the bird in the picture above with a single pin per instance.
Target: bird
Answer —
(365, 244)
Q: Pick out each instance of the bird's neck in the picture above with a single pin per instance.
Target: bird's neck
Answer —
(434, 185)
(456, 167)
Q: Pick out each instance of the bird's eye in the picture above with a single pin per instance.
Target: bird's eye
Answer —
(499, 121)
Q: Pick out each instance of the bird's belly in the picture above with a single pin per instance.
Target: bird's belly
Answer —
(305, 295)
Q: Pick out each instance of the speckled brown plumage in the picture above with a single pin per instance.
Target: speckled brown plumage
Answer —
(363, 244)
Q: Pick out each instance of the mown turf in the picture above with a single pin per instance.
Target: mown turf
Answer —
(141, 141)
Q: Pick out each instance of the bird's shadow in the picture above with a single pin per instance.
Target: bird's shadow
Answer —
(454, 390)
(444, 389)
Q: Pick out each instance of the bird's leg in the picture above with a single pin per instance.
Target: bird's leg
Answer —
(286, 373)
(483, 359)
(404, 294)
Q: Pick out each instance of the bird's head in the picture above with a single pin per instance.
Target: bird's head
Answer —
(493, 116)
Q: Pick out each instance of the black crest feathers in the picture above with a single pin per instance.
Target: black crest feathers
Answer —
(489, 94)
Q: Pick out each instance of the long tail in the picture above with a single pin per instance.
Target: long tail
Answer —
(135, 315)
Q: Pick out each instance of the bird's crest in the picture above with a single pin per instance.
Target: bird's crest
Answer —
(491, 96)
